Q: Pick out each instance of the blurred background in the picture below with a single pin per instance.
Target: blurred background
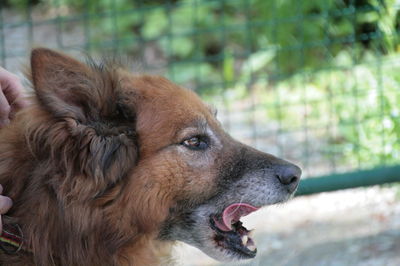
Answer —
(313, 81)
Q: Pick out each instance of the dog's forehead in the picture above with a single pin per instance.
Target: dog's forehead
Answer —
(165, 108)
(164, 97)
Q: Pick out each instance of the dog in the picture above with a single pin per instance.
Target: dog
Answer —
(106, 167)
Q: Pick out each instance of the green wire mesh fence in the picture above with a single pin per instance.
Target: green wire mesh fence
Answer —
(316, 81)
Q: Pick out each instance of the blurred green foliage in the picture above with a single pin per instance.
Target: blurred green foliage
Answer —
(354, 110)
(217, 35)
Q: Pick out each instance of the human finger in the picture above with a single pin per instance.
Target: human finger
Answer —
(4, 109)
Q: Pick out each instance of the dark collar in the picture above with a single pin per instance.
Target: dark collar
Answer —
(11, 239)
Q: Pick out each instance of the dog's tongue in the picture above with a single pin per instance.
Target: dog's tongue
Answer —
(232, 214)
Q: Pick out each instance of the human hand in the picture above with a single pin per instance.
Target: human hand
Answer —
(5, 205)
(11, 92)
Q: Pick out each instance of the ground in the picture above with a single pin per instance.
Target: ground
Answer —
(344, 228)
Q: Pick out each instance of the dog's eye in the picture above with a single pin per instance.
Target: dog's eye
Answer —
(195, 143)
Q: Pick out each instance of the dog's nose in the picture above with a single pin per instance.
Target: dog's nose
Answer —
(289, 176)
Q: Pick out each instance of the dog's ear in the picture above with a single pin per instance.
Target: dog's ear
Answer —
(85, 98)
(65, 86)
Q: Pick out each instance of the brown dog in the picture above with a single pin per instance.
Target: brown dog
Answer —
(107, 168)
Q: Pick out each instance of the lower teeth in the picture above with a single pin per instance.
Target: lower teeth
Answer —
(244, 240)
(251, 247)
(248, 243)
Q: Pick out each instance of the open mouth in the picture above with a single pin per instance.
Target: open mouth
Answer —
(230, 234)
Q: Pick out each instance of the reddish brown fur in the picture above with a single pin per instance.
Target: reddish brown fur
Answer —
(74, 210)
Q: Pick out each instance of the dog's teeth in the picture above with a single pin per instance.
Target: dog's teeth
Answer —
(251, 247)
(250, 233)
(244, 240)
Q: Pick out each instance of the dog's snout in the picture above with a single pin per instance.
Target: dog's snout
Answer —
(289, 176)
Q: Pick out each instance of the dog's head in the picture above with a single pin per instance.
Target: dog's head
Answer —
(151, 155)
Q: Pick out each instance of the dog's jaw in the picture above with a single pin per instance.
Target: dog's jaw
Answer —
(258, 188)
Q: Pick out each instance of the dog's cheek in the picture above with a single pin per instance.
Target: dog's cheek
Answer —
(197, 174)
(188, 179)
(162, 182)
(200, 186)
